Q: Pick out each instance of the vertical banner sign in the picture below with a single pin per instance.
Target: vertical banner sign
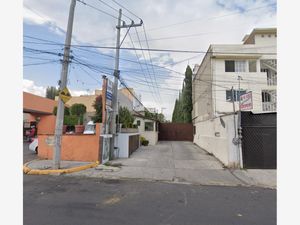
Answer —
(105, 140)
(109, 90)
(106, 108)
(246, 101)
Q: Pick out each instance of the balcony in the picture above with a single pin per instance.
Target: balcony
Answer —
(269, 106)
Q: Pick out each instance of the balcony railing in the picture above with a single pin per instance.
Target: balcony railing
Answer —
(269, 106)
(271, 79)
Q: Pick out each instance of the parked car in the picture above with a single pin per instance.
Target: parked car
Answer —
(34, 145)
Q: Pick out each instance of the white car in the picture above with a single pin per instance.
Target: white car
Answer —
(34, 145)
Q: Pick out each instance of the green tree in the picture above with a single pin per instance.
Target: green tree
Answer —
(78, 110)
(187, 96)
(51, 92)
(98, 107)
(125, 117)
(183, 107)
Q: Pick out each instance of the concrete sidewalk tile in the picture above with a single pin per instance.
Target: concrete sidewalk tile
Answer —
(207, 177)
(197, 164)
(258, 177)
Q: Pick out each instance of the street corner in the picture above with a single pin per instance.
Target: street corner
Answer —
(43, 167)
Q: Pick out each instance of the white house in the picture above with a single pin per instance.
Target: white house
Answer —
(148, 128)
(250, 66)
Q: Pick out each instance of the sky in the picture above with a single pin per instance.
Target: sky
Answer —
(168, 24)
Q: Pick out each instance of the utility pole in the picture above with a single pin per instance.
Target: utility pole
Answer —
(116, 78)
(239, 124)
(62, 85)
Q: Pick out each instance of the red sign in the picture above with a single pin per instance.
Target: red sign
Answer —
(246, 101)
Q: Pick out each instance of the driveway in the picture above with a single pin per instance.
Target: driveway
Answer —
(173, 161)
(27, 154)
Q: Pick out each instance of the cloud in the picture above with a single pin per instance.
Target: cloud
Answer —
(215, 22)
(31, 87)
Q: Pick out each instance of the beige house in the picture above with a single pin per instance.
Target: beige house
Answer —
(148, 128)
(125, 99)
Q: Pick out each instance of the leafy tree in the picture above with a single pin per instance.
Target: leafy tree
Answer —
(155, 116)
(51, 92)
(78, 110)
(187, 96)
(125, 117)
(183, 107)
(98, 107)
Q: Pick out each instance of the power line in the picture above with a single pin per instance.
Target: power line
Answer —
(154, 74)
(152, 81)
(168, 50)
(97, 9)
(141, 67)
(41, 63)
(114, 9)
(126, 9)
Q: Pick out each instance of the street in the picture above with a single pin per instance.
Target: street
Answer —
(77, 200)
(27, 154)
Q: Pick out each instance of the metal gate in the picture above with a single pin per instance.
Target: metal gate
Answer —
(175, 132)
(259, 140)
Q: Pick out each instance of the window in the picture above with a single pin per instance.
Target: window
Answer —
(149, 126)
(138, 122)
(229, 66)
(235, 66)
(252, 65)
(240, 66)
(265, 96)
(235, 94)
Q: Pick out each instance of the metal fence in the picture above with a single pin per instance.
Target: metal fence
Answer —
(259, 135)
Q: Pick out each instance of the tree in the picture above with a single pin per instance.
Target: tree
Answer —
(187, 96)
(183, 107)
(78, 110)
(98, 107)
(125, 117)
(51, 92)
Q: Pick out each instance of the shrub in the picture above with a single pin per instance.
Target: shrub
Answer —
(71, 120)
(125, 117)
(144, 141)
(78, 110)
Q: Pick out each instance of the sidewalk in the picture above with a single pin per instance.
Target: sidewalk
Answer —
(179, 162)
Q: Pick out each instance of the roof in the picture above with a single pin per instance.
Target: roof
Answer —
(37, 104)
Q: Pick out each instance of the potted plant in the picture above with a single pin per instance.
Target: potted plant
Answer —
(144, 141)
(79, 110)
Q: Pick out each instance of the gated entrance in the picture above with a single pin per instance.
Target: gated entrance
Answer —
(259, 140)
(175, 132)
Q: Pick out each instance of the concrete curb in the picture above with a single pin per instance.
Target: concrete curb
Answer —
(28, 170)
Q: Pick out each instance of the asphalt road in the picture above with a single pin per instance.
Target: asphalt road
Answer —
(73, 200)
(27, 154)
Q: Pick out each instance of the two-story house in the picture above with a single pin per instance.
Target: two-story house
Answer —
(230, 70)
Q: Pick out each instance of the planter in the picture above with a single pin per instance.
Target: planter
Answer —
(64, 129)
(79, 129)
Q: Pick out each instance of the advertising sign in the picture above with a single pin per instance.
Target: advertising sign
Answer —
(246, 101)
(109, 91)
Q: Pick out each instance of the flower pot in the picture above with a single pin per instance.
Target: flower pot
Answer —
(79, 129)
